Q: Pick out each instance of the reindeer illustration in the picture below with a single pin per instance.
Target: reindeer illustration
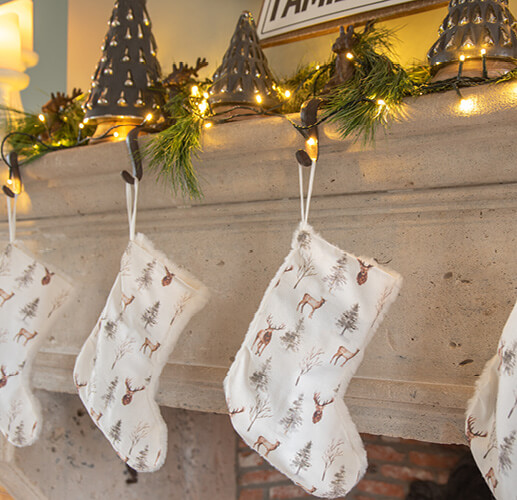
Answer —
(167, 279)
(5, 296)
(470, 432)
(262, 441)
(25, 334)
(232, 412)
(46, 279)
(5, 376)
(286, 270)
(152, 347)
(78, 384)
(264, 336)
(490, 476)
(343, 352)
(126, 301)
(312, 302)
(96, 416)
(318, 413)
(362, 275)
(128, 396)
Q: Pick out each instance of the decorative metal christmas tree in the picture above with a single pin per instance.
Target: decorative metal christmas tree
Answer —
(244, 77)
(476, 37)
(125, 87)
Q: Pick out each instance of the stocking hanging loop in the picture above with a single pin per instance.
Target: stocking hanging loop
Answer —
(304, 160)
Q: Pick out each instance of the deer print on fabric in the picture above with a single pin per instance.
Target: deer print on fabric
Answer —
(362, 276)
(148, 307)
(31, 294)
(264, 336)
(285, 388)
(311, 302)
(491, 422)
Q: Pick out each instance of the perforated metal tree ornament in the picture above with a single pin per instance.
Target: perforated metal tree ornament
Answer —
(476, 37)
(125, 86)
(244, 77)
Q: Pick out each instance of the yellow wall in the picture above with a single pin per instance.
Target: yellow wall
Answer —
(187, 30)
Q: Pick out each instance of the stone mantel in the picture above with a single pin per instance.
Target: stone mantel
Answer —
(435, 199)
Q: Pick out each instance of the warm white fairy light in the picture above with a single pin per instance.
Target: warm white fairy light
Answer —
(148, 117)
(194, 90)
(483, 52)
(208, 124)
(349, 56)
(467, 106)
(287, 94)
(462, 58)
(115, 134)
(205, 95)
(312, 148)
(86, 120)
(9, 181)
(41, 118)
(203, 106)
(258, 98)
(381, 102)
(81, 125)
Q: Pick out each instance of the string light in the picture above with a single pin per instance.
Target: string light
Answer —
(203, 106)
(149, 117)
(287, 94)
(312, 148)
(381, 102)
(9, 181)
(349, 56)
(195, 91)
(205, 95)
(208, 124)
(86, 120)
(483, 52)
(317, 67)
(115, 134)
(462, 58)
(467, 106)
(81, 125)
(258, 98)
(41, 118)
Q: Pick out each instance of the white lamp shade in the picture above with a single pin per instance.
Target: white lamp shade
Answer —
(24, 10)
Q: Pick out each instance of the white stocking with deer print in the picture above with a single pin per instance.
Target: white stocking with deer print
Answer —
(491, 422)
(285, 388)
(117, 370)
(31, 295)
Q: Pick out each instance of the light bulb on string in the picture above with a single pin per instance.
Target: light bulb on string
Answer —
(312, 148)
(41, 118)
(194, 91)
(81, 125)
(208, 124)
(148, 117)
(349, 56)
(258, 98)
(287, 94)
(203, 106)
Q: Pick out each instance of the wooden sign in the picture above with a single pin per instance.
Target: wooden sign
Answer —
(283, 21)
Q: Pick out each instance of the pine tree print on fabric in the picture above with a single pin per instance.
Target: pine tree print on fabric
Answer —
(119, 365)
(293, 418)
(29, 290)
(296, 420)
(302, 460)
(292, 338)
(348, 320)
(29, 310)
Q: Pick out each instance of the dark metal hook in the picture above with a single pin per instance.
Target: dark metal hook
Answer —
(15, 179)
(309, 119)
(134, 154)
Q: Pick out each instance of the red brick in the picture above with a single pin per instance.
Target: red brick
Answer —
(260, 477)
(406, 473)
(291, 491)
(387, 490)
(433, 460)
(251, 495)
(385, 453)
(248, 458)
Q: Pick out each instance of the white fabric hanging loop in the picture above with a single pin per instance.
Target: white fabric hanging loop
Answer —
(132, 201)
(11, 217)
(304, 206)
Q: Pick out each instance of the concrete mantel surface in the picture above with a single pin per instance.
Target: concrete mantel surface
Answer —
(435, 199)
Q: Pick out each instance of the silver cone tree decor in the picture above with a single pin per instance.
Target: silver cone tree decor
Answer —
(244, 77)
(476, 38)
(125, 86)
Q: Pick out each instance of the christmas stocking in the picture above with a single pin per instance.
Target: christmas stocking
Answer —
(491, 421)
(285, 388)
(117, 370)
(31, 295)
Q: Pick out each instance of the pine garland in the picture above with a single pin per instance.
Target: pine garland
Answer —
(372, 97)
(170, 152)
